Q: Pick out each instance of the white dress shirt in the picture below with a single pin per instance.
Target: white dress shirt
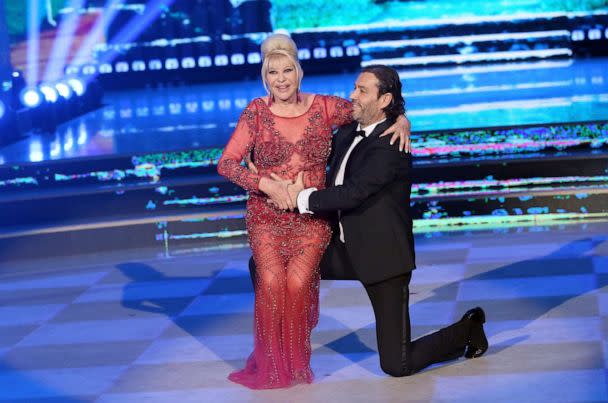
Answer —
(304, 195)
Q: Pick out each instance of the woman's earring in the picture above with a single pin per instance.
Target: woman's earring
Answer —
(270, 98)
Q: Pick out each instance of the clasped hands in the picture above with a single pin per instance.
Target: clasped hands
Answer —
(283, 193)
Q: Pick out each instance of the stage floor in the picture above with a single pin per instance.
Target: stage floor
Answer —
(140, 326)
(203, 116)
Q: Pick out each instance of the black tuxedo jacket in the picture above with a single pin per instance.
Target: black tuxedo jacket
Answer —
(374, 205)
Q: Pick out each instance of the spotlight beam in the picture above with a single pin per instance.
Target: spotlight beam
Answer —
(33, 42)
(107, 16)
(135, 26)
(63, 43)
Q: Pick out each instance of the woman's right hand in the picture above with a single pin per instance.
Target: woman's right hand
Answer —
(276, 189)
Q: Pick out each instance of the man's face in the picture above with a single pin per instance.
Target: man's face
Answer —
(367, 106)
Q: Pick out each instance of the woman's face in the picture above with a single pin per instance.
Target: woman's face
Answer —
(282, 78)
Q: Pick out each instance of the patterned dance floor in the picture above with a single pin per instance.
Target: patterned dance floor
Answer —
(141, 326)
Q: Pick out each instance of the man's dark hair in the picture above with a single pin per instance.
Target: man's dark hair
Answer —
(388, 82)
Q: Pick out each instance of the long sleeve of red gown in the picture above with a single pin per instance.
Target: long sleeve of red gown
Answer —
(240, 144)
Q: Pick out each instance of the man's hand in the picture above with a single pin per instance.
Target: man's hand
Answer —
(276, 189)
(401, 130)
(296, 188)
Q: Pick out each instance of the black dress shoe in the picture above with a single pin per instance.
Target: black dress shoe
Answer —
(477, 344)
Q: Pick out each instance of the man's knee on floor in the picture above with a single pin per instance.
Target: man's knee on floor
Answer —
(395, 368)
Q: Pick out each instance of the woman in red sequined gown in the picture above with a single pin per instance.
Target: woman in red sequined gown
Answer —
(287, 132)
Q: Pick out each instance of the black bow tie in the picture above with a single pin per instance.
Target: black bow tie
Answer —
(360, 133)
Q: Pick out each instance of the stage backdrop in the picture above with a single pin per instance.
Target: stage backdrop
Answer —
(84, 26)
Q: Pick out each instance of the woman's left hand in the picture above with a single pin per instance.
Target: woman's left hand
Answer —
(401, 131)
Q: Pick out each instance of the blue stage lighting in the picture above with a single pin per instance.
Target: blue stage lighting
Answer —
(64, 90)
(69, 70)
(188, 63)
(155, 64)
(171, 64)
(89, 70)
(204, 61)
(336, 51)
(135, 27)
(237, 58)
(2, 109)
(304, 54)
(138, 65)
(221, 60)
(254, 58)
(594, 34)
(77, 86)
(30, 97)
(319, 53)
(50, 94)
(122, 67)
(352, 51)
(105, 68)
(67, 29)
(578, 35)
(32, 11)
(36, 154)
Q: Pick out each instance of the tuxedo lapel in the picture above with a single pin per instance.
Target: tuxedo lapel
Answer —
(343, 142)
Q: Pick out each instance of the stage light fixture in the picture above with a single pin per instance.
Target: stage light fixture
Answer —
(578, 35)
(77, 86)
(188, 63)
(89, 70)
(319, 53)
(70, 70)
(35, 151)
(352, 51)
(2, 109)
(171, 64)
(224, 104)
(204, 61)
(105, 68)
(82, 134)
(594, 34)
(155, 64)
(336, 51)
(237, 59)
(122, 67)
(221, 60)
(64, 90)
(304, 54)
(208, 106)
(50, 94)
(30, 97)
(138, 65)
(254, 58)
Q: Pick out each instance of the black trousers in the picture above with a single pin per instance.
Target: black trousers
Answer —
(399, 355)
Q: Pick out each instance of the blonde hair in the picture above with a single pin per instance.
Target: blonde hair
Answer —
(277, 45)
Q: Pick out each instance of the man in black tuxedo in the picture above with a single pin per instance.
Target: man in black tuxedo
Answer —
(367, 199)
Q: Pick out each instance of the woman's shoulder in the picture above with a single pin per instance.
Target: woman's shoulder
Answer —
(332, 102)
(332, 98)
(255, 105)
(256, 102)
